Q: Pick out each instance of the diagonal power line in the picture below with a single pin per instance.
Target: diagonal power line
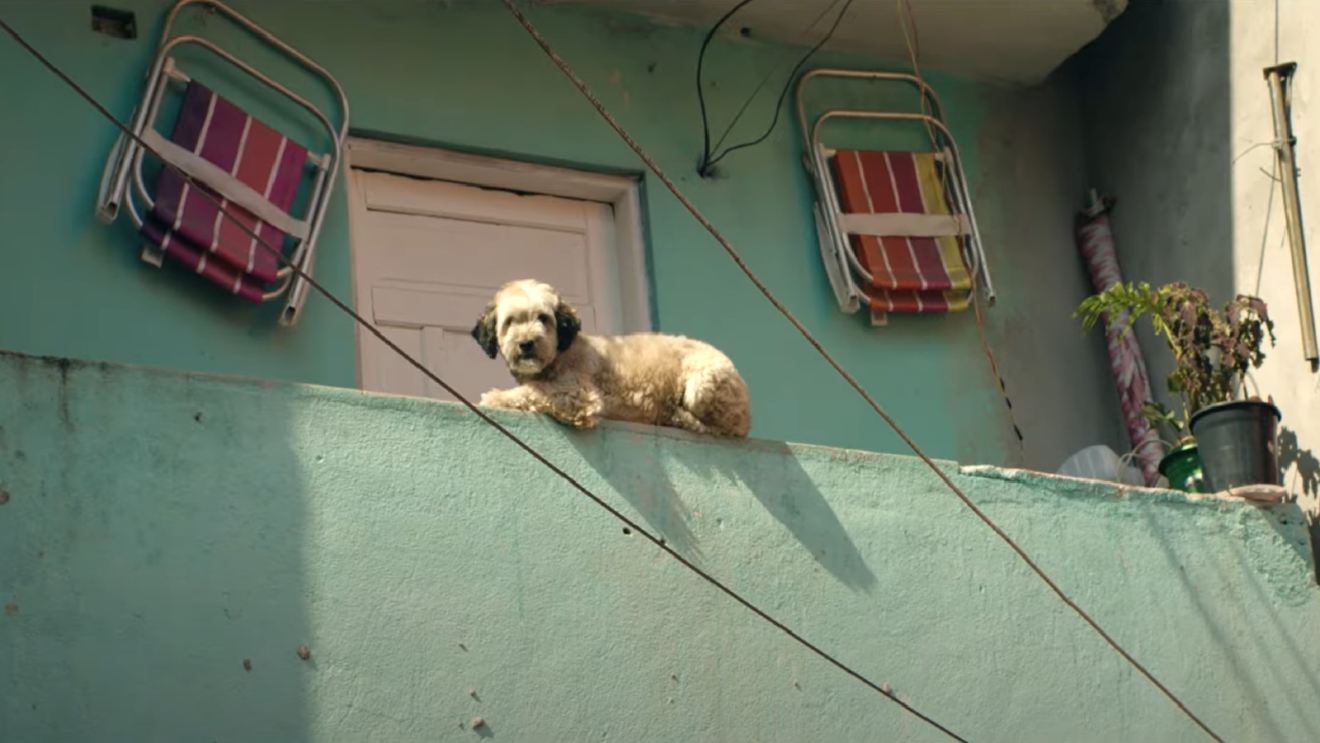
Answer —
(811, 339)
(341, 305)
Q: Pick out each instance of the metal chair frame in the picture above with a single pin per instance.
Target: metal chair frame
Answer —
(841, 263)
(127, 155)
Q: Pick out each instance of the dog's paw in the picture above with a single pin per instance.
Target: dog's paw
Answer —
(584, 421)
(575, 417)
(492, 399)
(585, 409)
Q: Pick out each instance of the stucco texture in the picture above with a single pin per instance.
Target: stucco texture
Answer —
(463, 75)
(158, 531)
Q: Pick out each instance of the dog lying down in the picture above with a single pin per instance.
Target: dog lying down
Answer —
(579, 379)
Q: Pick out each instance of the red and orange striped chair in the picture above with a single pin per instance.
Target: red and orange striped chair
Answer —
(902, 231)
(897, 230)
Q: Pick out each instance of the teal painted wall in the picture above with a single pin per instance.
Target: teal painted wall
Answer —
(157, 529)
(464, 75)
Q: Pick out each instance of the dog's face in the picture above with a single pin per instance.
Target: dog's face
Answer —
(529, 325)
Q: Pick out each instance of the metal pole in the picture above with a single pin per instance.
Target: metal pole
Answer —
(1279, 78)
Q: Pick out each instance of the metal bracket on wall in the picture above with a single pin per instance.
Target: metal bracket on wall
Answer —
(1279, 78)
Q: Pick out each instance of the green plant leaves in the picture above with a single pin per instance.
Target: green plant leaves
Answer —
(1212, 350)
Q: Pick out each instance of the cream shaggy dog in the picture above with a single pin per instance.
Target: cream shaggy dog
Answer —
(578, 379)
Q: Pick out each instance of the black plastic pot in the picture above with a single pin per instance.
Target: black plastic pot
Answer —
(1236, 441)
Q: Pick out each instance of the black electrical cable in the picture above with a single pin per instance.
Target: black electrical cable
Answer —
(765, 79)
(783, 94)
(701, 96)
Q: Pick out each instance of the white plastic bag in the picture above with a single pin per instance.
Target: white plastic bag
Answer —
(1099, 462)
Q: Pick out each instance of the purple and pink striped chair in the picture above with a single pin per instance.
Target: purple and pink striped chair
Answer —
(222, 206)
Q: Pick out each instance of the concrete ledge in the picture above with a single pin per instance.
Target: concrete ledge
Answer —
(169, 541)
(1271, 495)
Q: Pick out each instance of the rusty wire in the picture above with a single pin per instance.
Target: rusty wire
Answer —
(341, 305)
(852, 382)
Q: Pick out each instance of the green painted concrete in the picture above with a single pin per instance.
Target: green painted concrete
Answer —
(158, 529)
(464, 75)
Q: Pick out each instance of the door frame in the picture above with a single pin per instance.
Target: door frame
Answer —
(621, 192)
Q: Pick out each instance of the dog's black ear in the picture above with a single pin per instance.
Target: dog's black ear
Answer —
(484, 332)
(567, 325)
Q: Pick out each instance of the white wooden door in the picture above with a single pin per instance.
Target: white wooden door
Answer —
(429, 255)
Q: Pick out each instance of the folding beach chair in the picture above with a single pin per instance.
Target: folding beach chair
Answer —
(896, 229)
(251, 170)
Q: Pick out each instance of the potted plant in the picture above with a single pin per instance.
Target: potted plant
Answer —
(1232, 436)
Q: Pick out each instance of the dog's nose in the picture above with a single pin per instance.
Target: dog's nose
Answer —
(526, 346)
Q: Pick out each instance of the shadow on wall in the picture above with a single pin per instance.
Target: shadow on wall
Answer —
(653, 485)
(151, 558)
(1032, 180)
(1304, 482)
(1232, 622)
(1157, 93)
(1306, 478)
(1159, 139)
(1158, 133)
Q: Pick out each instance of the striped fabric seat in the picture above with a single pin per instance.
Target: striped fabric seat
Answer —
(190, 229)
(909, 272)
